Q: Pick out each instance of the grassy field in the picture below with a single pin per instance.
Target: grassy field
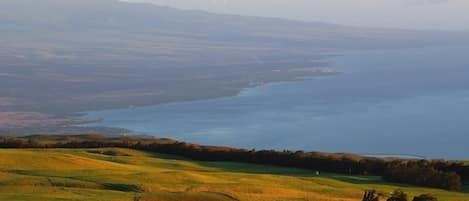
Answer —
(122, 174)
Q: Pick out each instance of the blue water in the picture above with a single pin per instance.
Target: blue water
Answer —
(399, 102)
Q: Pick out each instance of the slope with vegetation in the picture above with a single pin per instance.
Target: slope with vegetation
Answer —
(115, 174)
(430, 173)
(135, 166)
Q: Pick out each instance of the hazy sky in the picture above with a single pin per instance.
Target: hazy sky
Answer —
(417, 14)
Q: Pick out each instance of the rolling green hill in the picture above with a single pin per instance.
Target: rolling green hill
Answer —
(113, 174)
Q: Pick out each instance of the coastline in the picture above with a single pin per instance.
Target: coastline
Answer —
(256, 130)
(234, 93)
(76, 122)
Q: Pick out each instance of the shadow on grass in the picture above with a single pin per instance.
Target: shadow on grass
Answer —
(284, 171)
(123, 187)
(248, 168)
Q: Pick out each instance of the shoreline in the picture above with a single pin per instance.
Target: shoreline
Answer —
(217, 97)
(75, 121)
(237, 92)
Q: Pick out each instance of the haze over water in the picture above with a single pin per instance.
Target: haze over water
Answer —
(400, 102)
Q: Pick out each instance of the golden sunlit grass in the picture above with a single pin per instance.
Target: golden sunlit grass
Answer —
(122, 174)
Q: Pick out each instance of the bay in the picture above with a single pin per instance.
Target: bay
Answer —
(384, 102)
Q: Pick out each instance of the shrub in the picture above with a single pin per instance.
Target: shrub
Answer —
(370, 195)
(398, 195)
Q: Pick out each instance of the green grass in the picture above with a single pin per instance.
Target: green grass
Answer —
(121, 174)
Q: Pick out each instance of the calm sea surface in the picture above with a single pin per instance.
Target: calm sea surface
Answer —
(399, 102)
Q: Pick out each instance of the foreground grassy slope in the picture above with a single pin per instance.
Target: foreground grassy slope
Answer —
(117, 174)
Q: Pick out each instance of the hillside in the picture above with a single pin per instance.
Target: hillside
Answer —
(120, 174)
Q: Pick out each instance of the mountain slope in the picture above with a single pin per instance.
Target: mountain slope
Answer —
(120, 174)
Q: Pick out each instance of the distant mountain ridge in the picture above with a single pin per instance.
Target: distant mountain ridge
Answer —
(111, 15)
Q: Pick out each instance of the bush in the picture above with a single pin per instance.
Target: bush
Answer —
(398, 195)
(371, 195)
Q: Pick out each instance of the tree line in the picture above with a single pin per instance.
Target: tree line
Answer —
(431, 173)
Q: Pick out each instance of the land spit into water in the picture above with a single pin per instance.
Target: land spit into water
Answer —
(52, 119)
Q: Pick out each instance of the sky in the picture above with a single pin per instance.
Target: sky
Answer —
(411, 14)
